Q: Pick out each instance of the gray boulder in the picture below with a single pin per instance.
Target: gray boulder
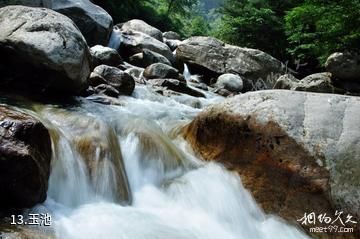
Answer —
(93, 21)
(107, 90)
(172, 44)
(345, 68)
(116, 78)
(44, 50)
(133, 42)
(286, 82)
(141, 26)
(147, 58)
(25, 155)
(161, 71)
(295, 151)
(170, 35)
(210, 56)
(105, 56)
(230, 82)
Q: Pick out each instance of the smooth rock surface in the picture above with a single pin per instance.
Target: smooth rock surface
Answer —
(147, 58)
(296, 152)
(141, 26)
(44, 50)
(161, 71)
(102, 55)
(230, 82)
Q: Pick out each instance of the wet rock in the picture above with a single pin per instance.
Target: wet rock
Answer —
(176, 85)
(105, 56)
(230, 82)
(172, 44)
(96, 79)
(345, 68)
(212, 57)
(116, 78)
(161, 71)
(147, 58)
(25, 155)
(47, 46)
(141, 26)
(135, 42)
(107, 90)
(296, 152)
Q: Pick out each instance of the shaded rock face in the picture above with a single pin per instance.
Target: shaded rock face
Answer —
(133, 42)
(93, 21)
(319, 82)
(116, 78)
(147, 58)
(230, 82)
(177, 86)
(141, 26)
(212, 57)
(44, 51)
(296, 152)
(345, 67)
(104, 56)
(25, 155)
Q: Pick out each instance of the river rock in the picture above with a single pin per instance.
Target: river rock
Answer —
(161, 71)
(177, 86)
(141, 26)
(147, 58)
(105, 56)
(170, 35)
(230, 82)
(345, 67)
(212, 57)
(133, 42)
(116, 78)
(319, 82)
(107, 90)
(44, 50)
(93, 21)
(296, 152)
(25, 155)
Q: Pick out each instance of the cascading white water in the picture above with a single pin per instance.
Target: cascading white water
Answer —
(187, 74)
(174, 194)
(115, 39)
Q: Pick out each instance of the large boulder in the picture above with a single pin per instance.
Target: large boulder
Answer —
(296, 152)
(44, 50)
(170, 35)
(161, 71)
(102, 55)
(120, 80)
(212, 57)
(25, 155)
(141, 26)
(133, 42)
(345, 67)
(93, 21)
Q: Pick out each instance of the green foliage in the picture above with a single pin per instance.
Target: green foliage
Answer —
(319, 28)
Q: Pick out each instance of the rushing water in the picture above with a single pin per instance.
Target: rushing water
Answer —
(115, 39)
(122, 171)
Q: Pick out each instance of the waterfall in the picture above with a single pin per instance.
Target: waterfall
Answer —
(187, 73)
(115, 38)
(122, 171)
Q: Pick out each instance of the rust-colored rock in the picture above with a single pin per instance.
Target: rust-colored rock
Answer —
(283, 175)
(25, 155)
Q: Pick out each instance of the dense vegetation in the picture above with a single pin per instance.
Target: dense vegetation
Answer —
(300, 32)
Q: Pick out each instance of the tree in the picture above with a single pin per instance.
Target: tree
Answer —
(318, 28)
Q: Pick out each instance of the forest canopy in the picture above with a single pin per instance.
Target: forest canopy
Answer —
(291, 30)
